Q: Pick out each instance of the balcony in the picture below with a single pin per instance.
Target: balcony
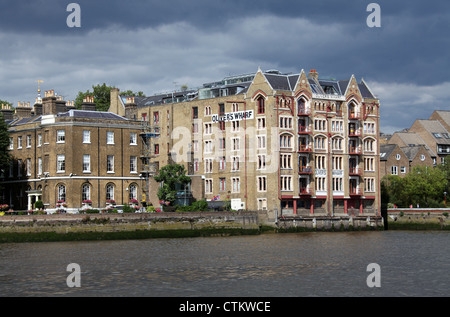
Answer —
(355, 191)
(355, 150)
(354, 115)
(354, 132)
(304, 148)
(304, 129)
(354, 171)
(305, 191)
(303, 111)
(305, 170)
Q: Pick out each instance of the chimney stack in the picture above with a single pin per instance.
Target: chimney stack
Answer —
(88, 103)
(8, 113)
(23, 110)
(313, 74)
(130, 109)
(38, 107)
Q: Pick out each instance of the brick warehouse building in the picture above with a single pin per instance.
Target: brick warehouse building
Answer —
(290, 144)
(63, 154)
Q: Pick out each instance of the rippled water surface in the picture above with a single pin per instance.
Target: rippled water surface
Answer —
(304, 264)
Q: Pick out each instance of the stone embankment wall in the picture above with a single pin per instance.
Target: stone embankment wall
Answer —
(65, 223)
(331, 223)
(437, 218)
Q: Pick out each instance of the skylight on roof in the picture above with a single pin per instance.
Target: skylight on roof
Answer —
(437, 135)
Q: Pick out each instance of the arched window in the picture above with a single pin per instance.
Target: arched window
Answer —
(286, 141)
(132, 191)
(110, 192)
(301, 106)
(320, 143)
(61, 192)
(261, 104)
(86, 192)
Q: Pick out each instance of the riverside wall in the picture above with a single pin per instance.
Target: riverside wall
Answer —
(418, 218)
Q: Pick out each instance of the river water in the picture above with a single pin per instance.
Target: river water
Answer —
(268, 265)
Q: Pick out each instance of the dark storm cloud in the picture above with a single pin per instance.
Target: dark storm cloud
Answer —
(154, 46)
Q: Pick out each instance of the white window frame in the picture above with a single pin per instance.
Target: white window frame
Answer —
(86, 163)
(109, 137)
(86, 136)
(60, 163)
(60, 136)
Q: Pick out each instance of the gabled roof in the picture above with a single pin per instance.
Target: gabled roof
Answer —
(437, 130)
(411, 151)
(413, 139)
(386, 151)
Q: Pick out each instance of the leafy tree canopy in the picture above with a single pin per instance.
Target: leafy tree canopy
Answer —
(169, 176)
(4, 144)
(102, 96)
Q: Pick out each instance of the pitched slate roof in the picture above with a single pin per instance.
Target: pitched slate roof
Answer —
(91, 114)
(386, 150)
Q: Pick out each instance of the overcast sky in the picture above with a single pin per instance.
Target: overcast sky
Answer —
(157, 46)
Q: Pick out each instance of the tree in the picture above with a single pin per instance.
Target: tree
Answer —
(169, 176)
(102, 97)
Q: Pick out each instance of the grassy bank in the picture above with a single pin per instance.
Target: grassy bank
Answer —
(417, 226)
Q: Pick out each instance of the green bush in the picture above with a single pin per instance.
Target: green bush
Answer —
(92, 211)
(128, 209)
(39, 204)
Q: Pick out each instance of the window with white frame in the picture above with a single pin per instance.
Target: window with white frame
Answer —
(19, 142)
(369, 164)
(286, 122)
(369, 145)
(133, 138)
(132, 190)
(110, 164)
(261, 123)
(235, 144)
(222, 184)
(320, 143)
(261, 162)
(208, 165)
(235, 185)
(208, 146)
(261, 142)
(394, 170)
(262, 203)
(261, 183)
(208, 186)
(60, 163)
(60, 136)
(369, 128)
(28, 167)
(234, 126)
(28, 141)
(321, 184)
(208, 128)
(110, 192)
(369, 184)
(337, 126)
(222, 163)
(110, 137)
(403, 169)
(338, 184)
(133, 164)
(320, 125)
(86, 136)
(39, 165)
(39, 140)
(337, 162)
(337, 144)
(11, 143)
(286, 183)
(196, 165)
(86, 192)
(235, 163)
(86, 163)
(286, 141)
(286, 161)
(61, 193)
(320, 162)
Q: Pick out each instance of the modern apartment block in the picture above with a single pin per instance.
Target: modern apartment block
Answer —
(291, 144)
(65, 156)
